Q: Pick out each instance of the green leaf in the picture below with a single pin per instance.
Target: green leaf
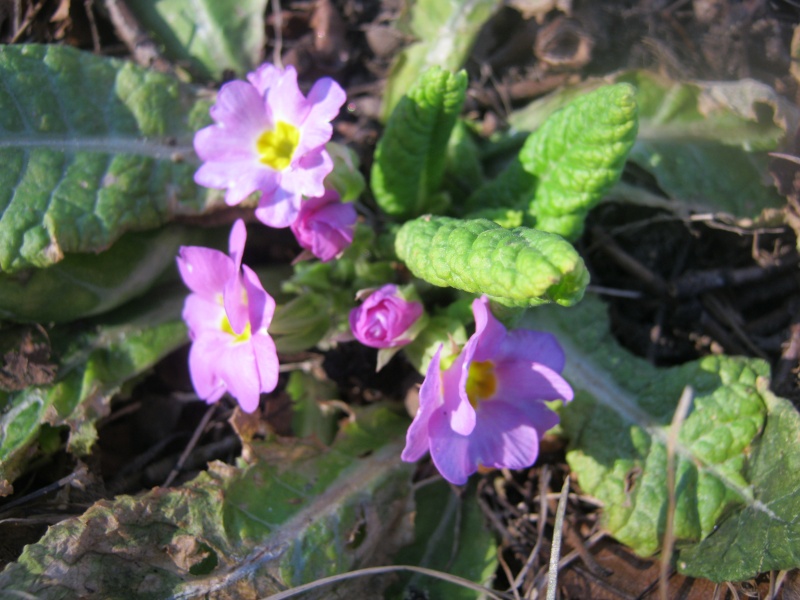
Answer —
(210, 36)
(765, 536)
(301, 323)
(445, 30)
(577, 155)
(449, 536)
(346, 178)
(440, 330)
(726, 468)
(518, 267)
(297, 513)
(94, 366)
(509, 193)
(90, 284)
(700, 140)
(463, 169)
(312, 414)
(91, 147)
(411, 155)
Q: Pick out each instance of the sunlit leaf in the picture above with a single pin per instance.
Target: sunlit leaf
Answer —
(91, 147)
(208, 36)
(299, 512)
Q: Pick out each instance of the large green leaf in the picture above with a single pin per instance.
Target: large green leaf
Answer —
(91, 147)
(702, 141)
(93, 367)
(518, 267)
(727, 453)
(212, 36)
(445, 31)
(411, 155)
(297, 513)
(450, 535)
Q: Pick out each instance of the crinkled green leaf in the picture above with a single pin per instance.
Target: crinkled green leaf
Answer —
(93, 367)
(312, 416)
(577, 155)
(765, 536)
(207, 36)
(82, 285)
(299, 512)
(411, 155)
(700, 140)
(91, 147)
(510, 193)
(618, 426)
(450, 535)
(463, 169)
(517, 267)
(445, 31)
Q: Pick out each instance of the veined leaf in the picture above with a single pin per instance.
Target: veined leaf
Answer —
(411, 155)
(92, 369)
(577, 155)
(296, 514)
(211, 35)
(736, 437)
(445, 30)
(91, 147)
(700, 140)
(518, 267)
(450, 536)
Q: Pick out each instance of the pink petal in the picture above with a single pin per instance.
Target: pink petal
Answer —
(533, 346)
(204, 357)
(204, 270)
(264, 77)
(266, 357)
(430, 399)
(240, 109)
(261, 305)
(279, 208)
(217, 143)
(489, 332)
(520, 381)
(326, 99)
(456, 402)
(308, 173)
(449, 450)
(237, 367)
(285, 99)
(202, 314)
(504, 439)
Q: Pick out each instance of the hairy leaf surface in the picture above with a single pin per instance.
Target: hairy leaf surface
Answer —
(577, 155)
(410, 157)
(518, 267)
(91, 147)
(212, 36)
(735, 439)
(297, 513)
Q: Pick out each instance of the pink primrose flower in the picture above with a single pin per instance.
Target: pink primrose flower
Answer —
(228, 313)
(325, 225)
(487, 408)
(268, 137)
(383, 320)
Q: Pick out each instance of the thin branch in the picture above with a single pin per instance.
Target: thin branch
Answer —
(555, 550)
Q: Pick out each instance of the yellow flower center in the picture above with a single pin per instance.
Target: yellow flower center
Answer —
(276, 147)
(481, 382)
(237, 337)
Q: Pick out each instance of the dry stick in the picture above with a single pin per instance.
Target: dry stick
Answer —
(42, 491)
(555, 550)
(277, 48)
(88, 6)
(22, 27)
(127, 27)
(381, 570)
(669, 534)
(190, 446)
(652, 281)
(544, 484)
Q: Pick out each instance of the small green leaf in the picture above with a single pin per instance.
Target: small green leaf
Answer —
(212, 36)
(300, 323)
(440, 330)
(346, 178)
(410, 157)
(518, 267)
(510, 192)
(311, 416)
(577, 155)
(445, 30)
(298, 513)
(733, 444)
(93, 368)
(450, 536)
(91, 147)
(463, 170)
